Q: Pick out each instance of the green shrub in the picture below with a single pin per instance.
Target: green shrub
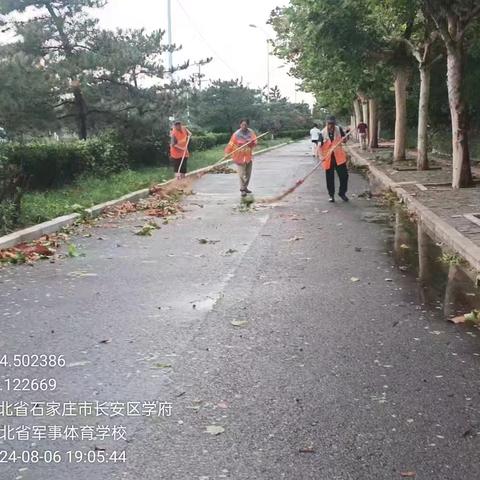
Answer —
(105, 154)
(48, 165)
(8, 216)
(203, 142)
(293, 134)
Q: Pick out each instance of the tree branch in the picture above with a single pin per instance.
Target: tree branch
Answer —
(465, 21)
(442, 28)
(415, 51)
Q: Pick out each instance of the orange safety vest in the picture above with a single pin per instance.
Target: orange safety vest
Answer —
(241, 156)
(182, 137)
(328, 148)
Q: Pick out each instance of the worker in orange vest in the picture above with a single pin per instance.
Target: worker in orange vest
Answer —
(179, 140)
(241, 145)
(334, 158)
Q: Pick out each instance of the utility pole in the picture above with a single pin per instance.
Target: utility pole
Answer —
(198, 76)
(170, 53)
(267, 38)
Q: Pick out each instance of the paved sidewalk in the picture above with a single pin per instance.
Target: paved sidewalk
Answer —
(452, 215)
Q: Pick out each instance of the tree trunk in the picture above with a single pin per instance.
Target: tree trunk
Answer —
(462, 174)
(358, 115)
(81, 106)
(423, 107)
(373, 123)
(401, 82)
(365, 110)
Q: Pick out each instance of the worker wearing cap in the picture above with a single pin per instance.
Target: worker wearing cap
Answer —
(334, 158)
(241, 146)
(179, 139)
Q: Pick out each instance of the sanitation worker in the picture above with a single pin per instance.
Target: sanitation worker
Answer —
(179, 139)
(334, 158)
(241, 146)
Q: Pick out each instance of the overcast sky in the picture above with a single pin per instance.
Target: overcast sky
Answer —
(212, 28)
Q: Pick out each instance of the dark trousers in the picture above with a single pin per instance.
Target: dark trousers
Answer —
(342, 173)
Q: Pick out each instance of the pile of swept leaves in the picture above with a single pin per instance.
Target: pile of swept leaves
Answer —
(163, 202)
(44, 247)
(222, 169)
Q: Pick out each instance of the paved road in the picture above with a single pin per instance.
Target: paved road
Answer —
(325, 378)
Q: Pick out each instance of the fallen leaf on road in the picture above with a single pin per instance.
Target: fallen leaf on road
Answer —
(306, 450)
(163, 365)
(147, 229)
(107, 340)
(230, 251)
(358, 249)
(457, 320)
(472, 318)
(408, 474)
(204, 241)
(295, 239)
(239, 323)
(73, 251)
(82, 274)
(389, 280)
(354, 279)
(215, 430)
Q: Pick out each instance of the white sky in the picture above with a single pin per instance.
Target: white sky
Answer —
(212, 28)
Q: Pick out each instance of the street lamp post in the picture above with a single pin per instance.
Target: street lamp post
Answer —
(268, 58)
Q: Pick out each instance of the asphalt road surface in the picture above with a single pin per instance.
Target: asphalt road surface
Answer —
(331, 369)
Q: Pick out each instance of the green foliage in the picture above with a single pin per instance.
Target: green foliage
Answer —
(208, 140)
(223, 104)
(293, 134)
(46, 165)
(8, 216)
(62, 73)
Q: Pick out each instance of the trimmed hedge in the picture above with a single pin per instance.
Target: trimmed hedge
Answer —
(209, 140)
(293, 134)
(53, 164)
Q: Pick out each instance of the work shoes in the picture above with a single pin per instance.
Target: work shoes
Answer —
(344, 198)
(331, 199)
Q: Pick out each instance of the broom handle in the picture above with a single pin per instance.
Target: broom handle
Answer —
(242, 146)
(184, 153)
(333, 147)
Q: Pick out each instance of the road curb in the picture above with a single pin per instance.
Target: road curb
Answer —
(36, 231)
(442, 231)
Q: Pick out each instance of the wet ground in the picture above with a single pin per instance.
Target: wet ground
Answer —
(291, 344)
(444, 282)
